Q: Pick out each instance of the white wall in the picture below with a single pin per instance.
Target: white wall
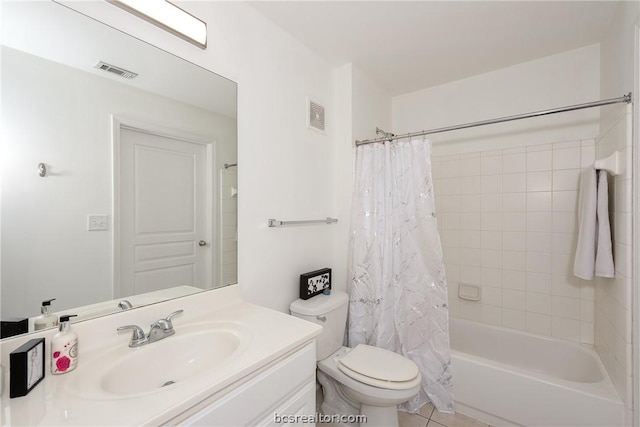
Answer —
(361, 106)
(44, 220)
(613, 297)
(501, 190)
(284, 169)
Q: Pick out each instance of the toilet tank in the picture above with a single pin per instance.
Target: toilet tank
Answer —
(328, 311)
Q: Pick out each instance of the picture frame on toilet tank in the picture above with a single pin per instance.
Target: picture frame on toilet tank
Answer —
(314, 282)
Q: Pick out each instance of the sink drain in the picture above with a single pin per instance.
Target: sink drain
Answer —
(168, 383)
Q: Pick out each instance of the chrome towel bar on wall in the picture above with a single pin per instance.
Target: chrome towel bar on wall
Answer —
(278, 223)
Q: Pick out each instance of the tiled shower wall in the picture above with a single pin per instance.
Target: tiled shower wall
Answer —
(229, 226)
(613, 297)
(507, 219)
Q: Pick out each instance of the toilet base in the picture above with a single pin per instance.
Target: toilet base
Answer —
(336, 401)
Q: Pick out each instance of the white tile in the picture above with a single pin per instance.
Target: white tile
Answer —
(491, 277)
(566, 179)
(562, 264)
(450, 238)
(539, 242)
(450, 186)
(514, 150)
(567, 329)
(539, 181)
(514, 299)
(587, 333)
(437, 186)
(470, 239)
(491, 240)
(436, 168)
(491, 296)
(450, 168)
(538, 303)
(491, 165)
(470, 185)
(470, 274)
(449, 203)
(514, 163)
(587, 309)
(491, 203)
(565, 222)
(514, 202)
(451, 254)
(538, 323)
(514, 319)
(470, 310)
(450, 221)
(587, 156)
(539, 262)
(539, 221)
(566, 144)
(491, 221)
(568, 286)
(491, 258)
(491, 184)
(539, 282)
(539, 161)
(564, 243)
(623, 227)
(565, 307)
(470, 166)
(623, 195)
(539, 147)
(565, 201)
(513, 221)
(514, 241)
(491, 314)
(470, 257)
(512, 260)
(568, 158)
(470, 203)
(515, 280)
(587, 290)
(469, 221)
(539, 201)
(514, 183)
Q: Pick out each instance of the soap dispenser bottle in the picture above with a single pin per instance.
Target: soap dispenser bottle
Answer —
(46, 319)
(64, 348)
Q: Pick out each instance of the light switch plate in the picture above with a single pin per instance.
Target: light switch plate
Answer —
(97, 222)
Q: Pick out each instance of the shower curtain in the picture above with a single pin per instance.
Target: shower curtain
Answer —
(399, 290)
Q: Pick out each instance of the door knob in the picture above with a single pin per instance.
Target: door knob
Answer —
(202, 243)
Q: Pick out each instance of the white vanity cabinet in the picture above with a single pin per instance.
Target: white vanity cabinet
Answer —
(286, 387)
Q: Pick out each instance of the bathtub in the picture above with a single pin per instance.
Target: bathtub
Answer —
(507, 377)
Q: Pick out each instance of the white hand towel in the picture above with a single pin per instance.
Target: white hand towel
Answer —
(604, 256)
(584, 262)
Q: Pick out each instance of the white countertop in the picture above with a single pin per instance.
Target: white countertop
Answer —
(57, 401)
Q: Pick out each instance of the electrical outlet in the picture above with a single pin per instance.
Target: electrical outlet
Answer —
(97, 222)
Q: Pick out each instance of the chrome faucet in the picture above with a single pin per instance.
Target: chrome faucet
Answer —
(160, 329)
(124, 305)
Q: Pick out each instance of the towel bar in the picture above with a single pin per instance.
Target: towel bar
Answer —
(610, 164)
(278, 223)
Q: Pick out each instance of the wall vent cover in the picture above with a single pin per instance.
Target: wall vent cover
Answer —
(315, 116)
(115, 70)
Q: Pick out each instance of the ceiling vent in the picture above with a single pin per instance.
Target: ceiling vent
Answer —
(315, 116)
(115, 70)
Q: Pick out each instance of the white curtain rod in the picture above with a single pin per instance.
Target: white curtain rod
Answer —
(390, 137)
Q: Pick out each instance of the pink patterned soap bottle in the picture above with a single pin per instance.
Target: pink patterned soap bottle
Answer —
(64, 348)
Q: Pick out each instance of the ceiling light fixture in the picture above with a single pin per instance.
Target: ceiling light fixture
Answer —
(169, 17)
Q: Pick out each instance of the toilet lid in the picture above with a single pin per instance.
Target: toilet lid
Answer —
(378, 365)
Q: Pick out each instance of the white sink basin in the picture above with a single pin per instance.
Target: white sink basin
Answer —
(191, 353)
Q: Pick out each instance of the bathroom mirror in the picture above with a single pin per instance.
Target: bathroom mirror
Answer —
(119, 171)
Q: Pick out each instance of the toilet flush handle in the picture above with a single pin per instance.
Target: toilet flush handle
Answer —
(322, 318)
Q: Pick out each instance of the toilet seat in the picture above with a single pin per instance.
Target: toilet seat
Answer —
(379, 368)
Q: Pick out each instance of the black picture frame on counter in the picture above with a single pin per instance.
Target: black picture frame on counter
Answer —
(26, 367)
(314, 282)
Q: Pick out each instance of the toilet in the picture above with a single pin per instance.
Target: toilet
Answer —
(364, 380)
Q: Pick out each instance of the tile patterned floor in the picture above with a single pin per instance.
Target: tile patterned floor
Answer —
(427, 417)
(430, 417)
